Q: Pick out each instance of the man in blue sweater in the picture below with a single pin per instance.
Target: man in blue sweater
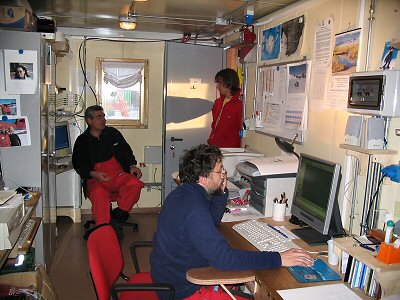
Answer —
(187, 235)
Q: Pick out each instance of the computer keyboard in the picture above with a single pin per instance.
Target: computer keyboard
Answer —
(25, 233)
(263, 236)
(63, 160)
(6, 195)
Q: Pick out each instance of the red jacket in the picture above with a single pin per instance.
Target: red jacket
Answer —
(227, 132)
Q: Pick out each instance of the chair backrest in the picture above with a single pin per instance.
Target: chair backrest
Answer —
(105, 259)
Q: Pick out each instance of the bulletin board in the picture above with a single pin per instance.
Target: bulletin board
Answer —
(282, 104)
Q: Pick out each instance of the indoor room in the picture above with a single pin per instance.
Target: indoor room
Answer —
(296, 101)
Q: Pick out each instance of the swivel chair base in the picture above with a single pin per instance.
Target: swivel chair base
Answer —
(89, 223)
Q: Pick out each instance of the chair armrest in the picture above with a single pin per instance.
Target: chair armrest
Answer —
(133, 247)
(213, 276)
(155, 287)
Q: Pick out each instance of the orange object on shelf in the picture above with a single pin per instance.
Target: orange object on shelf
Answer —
(389, 254)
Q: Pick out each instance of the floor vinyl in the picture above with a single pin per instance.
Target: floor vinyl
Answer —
(70, 268)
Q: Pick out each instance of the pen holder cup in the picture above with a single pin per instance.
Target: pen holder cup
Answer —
(279, 211)
(389, 254)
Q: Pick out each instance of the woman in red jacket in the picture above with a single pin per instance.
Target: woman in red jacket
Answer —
(227, 111)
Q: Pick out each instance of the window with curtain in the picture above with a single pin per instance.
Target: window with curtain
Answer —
(122, 87)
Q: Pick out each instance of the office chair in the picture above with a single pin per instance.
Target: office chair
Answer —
(89, 223)
(106, 265)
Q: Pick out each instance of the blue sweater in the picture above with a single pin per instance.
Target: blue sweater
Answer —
(188, 237)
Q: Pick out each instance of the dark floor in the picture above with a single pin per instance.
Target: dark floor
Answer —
(70, 268)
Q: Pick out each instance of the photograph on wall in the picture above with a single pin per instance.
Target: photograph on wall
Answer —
(271, 43)
(345, 52)
(14, 132)
(297, 78)
(9, 105)
(20, 71)
(389, 57)
(292, 36)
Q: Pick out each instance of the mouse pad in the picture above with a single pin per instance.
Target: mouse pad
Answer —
(321, 271)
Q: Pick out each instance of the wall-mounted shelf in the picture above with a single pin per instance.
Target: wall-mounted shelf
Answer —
(388, 276)
(368, 151)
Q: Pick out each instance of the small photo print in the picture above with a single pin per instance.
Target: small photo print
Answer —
(20, 70)
(8, 107)
(14, 132)
(389, 57)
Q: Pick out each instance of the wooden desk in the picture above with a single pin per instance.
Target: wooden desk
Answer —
(267, 282)
(30, 207)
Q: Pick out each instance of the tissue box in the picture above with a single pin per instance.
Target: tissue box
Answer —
(17, 18)
(389, 254)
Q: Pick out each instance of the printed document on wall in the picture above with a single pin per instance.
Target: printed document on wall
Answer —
(344, 63)
(273, 81)
(298, 78)
(21, 71)
(321, 62)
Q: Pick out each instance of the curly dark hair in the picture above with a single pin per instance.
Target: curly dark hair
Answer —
(198, 161)
(230, 79)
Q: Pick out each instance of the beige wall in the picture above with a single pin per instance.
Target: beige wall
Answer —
(326, 128)
(137, 138)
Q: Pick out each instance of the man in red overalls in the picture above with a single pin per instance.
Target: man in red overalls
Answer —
(107, 166)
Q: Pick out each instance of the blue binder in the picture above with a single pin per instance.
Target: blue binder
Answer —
(321, 271)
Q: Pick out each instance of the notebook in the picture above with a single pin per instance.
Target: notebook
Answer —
(321, 271)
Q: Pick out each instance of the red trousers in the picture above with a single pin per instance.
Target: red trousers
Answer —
(212, 293)
(123, 187)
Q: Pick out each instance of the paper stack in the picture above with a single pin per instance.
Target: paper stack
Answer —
(11, 215)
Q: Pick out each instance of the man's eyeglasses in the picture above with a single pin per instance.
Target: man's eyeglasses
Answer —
(222, 172)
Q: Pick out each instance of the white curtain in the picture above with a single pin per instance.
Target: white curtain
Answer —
(121, 74)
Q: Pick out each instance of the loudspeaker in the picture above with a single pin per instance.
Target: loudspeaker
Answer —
(353, 135)
(375, 133)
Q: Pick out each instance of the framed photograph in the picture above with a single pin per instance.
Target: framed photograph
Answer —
(122, 90)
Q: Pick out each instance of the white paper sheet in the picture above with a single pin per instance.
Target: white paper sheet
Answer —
(249, 214)
(326, 292)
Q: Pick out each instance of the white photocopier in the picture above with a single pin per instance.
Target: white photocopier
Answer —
(268, 178)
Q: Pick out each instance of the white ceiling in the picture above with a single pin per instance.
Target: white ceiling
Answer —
(197, 17)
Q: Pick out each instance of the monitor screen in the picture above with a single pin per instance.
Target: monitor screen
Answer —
(62, 140)
(315, 197)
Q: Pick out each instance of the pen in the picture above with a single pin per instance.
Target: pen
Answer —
(277, 230)
(367, 247)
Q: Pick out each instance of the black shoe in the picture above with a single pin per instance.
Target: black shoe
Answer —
(118, 229)
(119, 215)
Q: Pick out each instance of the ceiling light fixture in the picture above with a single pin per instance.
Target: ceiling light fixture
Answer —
(128, 22)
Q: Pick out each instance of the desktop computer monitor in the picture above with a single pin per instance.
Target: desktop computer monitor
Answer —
(62, 140)
(315, 200)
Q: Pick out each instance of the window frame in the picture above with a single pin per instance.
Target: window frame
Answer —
(144, 101)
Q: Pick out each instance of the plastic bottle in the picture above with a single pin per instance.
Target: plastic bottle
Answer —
(389, 231)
